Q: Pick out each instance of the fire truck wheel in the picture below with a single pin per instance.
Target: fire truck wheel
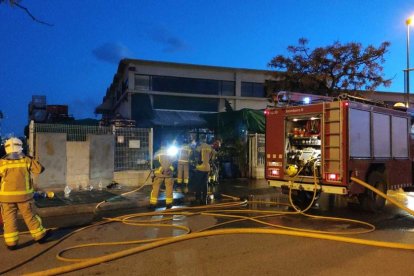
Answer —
(370, 201)
(302, 199)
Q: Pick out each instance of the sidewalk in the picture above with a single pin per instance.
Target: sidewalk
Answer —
(81, 207)
(93, 201)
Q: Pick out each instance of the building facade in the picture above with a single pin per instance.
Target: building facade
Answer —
(166, 95)
(146, 91)
(160, 93)
(170, 97)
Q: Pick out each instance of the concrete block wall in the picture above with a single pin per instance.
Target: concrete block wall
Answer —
(133, 178)
(78, 162)
(102, 154)
(51, 152)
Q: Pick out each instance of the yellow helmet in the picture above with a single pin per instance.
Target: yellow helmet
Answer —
(13, 145)
(291, 170)
(399, 105)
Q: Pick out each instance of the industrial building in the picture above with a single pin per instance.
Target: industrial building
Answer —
(156, 94)
(171, 97)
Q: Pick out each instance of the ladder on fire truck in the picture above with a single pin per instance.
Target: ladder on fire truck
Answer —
(332, 145)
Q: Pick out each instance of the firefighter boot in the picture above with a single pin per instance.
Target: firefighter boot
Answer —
(45, 238)
(11, 247)
(151, 207)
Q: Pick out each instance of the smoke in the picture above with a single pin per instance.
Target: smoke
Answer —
(111, 52)
(82, 108)
(169, 42)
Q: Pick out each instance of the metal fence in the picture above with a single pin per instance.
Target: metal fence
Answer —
(257, 155)
(133, 146)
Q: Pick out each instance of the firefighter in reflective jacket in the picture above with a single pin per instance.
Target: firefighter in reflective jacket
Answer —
(202, 170)
(16, 193)
(183, 165)
(163, 173)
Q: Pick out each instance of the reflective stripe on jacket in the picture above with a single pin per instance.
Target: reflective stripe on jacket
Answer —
(16, 185)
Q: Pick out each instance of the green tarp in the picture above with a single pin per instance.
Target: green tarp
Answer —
(233, 124)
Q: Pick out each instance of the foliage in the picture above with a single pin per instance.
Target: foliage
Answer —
(333, 68)
(11, 2)
(228, 106)
(234, 152)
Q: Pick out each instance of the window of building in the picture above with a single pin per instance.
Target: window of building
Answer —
(142, 82)
(185, 85)
(252, 89)
(184, 103)
(228, 88)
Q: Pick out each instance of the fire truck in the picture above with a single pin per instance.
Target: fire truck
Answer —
(317, 147)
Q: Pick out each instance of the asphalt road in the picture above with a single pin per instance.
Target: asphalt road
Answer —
(241, 254)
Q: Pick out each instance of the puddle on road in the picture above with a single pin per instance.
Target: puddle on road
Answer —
(327, 205)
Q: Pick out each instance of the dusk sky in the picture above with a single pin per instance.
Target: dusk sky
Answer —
(74, 61)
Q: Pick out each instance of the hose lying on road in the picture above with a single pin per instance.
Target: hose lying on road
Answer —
(290, 231)
(378, 192)
(123, 194)
(155, 244)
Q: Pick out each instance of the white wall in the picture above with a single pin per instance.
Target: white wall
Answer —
(51, 152)
(102, 154)
(77, 164)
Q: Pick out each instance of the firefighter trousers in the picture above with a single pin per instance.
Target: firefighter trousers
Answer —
(169, 182)
(183, 172)
(33, 221)
(199, 185)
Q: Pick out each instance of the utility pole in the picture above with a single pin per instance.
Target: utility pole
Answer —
(1, 118)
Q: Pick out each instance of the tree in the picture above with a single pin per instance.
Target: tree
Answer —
(228, 106)
(16, 3)
(331, 69)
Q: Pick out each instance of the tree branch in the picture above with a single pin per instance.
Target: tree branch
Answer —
(31, 15)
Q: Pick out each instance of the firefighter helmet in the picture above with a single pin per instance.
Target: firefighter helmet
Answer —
(291, 170)
(13, 145)
(399, 105)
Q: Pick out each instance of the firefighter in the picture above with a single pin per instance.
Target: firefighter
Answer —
(163, 174)
(204, 152)
(16, 193)
(183, 165)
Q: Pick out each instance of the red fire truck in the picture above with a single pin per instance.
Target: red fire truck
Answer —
(322, 145)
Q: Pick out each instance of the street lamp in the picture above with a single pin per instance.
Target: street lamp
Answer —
(408, 22)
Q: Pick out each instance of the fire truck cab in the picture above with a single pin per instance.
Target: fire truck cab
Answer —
(322, 145)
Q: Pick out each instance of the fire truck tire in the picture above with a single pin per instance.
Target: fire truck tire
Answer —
(303, 199)
(371, 201)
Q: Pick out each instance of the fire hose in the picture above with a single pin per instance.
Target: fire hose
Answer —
(187, 235)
